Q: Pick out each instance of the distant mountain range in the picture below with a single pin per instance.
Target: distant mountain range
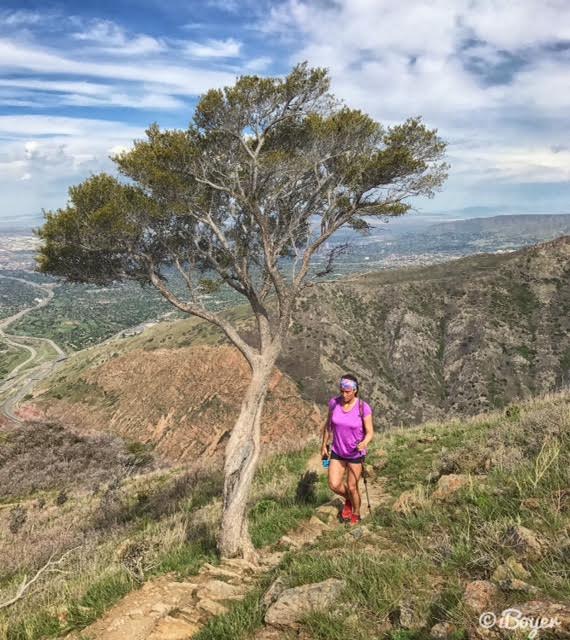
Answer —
(493, 233)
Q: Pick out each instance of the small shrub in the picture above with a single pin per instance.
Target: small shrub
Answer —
(140, 453)
(305, 492)
(513, 413)
(18, 518)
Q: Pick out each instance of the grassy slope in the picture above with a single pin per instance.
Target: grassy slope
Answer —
(135, 526)
(422, 557)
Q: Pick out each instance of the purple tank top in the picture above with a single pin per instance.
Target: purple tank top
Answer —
(348, 428)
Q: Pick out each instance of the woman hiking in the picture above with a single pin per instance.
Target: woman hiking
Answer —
(350, 420)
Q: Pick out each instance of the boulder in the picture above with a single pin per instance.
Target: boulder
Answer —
(480, 595)
(511, 568)
(212, 607)
(294, 603)
(220, 590)
(514, 584)
(409, 616)
(449, 484)
(524, 541)
(531, 504)
(442, 631)
(408, 501)
(327, 513)
(275, 590)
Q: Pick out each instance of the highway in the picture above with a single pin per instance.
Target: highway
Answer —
(16, 385)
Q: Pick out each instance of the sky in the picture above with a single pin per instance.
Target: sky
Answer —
(82, 80)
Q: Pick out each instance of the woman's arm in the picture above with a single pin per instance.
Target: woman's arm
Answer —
(326, 431)
(369, 433)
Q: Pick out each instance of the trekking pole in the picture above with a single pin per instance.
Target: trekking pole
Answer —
(364, 477)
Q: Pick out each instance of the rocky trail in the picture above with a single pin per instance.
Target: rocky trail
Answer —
(166, 609)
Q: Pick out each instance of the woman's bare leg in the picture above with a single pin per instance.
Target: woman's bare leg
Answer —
(354, 473)
(336, 478)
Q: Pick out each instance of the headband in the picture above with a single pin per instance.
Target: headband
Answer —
(346, 383)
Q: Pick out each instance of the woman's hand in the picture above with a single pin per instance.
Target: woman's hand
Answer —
(362, 445)
(324, 451)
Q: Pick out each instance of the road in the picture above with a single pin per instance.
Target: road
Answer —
(17, 384)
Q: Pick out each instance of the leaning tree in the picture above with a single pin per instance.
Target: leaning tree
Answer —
(267, 171)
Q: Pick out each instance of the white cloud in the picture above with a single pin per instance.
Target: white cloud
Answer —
(228, 48)
(59, 86)
(93, 94)
(49, 153)
(181, 79)
(21, 18)
(397, 60)
(486, 73)
(114, 99)
(110, 37)
(512, 25)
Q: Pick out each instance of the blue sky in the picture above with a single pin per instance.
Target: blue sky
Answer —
(80, 80)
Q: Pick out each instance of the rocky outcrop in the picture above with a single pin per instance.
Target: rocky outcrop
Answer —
(448, 485)
(524, 542)
(293, 604)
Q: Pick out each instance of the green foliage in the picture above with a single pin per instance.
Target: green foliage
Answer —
(524, 298)
(141, 453)
(236, 190)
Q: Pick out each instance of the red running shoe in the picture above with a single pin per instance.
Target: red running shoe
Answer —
(346, 512)
(354, 519)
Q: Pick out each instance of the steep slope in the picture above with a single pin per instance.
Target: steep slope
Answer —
(182, 402)
(466, 516)
(454, 338)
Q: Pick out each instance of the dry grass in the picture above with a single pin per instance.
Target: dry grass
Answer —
(133, 525)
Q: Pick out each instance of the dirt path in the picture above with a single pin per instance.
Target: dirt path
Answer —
(164, 609)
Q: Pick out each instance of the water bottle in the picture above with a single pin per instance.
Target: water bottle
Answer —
(326, 459)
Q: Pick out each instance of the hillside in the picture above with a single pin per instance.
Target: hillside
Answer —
(517, 227)
(456, 338)
(467, 516)
(180, 402)
(451, 339)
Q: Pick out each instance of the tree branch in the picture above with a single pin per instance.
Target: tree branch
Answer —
(26, 584)
(249, 353)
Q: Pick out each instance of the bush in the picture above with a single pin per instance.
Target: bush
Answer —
(305, 492)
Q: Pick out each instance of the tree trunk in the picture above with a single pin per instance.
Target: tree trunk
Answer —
(242, 455)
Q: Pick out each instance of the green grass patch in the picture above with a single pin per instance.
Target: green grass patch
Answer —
(283, 464)
(186, 560)
(244, 617)
(99, 597)
(271, 518)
